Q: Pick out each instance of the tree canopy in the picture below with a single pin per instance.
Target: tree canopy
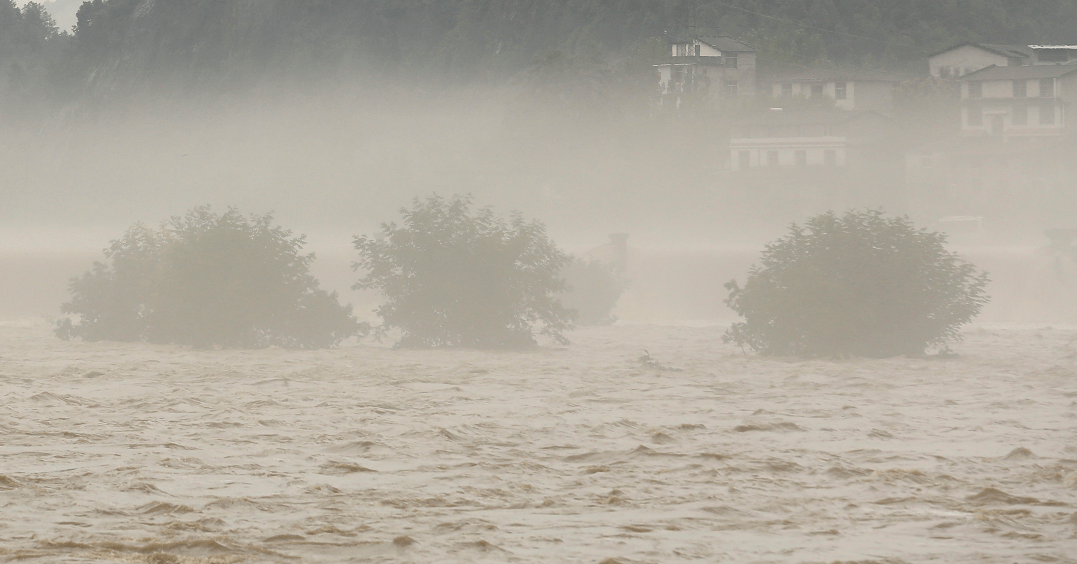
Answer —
(860, 283)
(178, 46)
(457, 277)
(208, 280)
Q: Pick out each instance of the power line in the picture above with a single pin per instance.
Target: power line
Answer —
(762, 15)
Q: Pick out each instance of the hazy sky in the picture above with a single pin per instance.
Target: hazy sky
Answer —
(63, 11)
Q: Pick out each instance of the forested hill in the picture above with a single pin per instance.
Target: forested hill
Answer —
(223, 45)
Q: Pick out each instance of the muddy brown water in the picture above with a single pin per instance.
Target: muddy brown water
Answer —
(130, 452)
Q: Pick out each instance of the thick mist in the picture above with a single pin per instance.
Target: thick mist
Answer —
(337, 162)
(216, 395)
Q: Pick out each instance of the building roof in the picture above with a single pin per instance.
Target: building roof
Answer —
(996, 48)
(995, 72)
(1007, 50)
(726, 43)
(719, 42)
(846, 74)
(807, 117)
(1052, 46)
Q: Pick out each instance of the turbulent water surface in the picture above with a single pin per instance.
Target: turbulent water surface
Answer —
(139, 453)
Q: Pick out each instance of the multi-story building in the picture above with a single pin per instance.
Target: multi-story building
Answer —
(721, 66)
(1017, 100)
(1013, 160)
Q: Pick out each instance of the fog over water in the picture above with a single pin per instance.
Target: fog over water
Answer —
(650, 439)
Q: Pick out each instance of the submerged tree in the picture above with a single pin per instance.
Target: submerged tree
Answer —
(458, 277)
(858, 284)
(208, 280)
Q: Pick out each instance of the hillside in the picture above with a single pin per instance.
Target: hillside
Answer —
(233, 46)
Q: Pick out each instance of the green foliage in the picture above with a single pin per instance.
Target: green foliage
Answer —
(208, 280)
(859, 284)
(593, 290)
(457, 277)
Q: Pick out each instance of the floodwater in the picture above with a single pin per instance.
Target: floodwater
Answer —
(114, 452)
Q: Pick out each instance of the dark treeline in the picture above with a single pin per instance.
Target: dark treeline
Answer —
(137, 48)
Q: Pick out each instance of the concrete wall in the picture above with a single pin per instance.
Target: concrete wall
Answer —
(1004, 109)
(743, 75)
(815, 151)
(862, 96)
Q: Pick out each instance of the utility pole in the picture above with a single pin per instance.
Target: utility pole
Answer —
(687, 28)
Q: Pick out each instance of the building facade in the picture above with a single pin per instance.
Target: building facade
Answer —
(720, 66)
(1013, 162)
(850, 90)
(1026, 101)
(831, 139)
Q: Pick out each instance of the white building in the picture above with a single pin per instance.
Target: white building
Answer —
(719, 65)
(969, 57)
(1017, 100)
(830, 139)
(851, 90)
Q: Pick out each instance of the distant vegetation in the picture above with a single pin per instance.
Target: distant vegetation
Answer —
(207, 280)
(166, 48)
(858, 284)
(454, 276)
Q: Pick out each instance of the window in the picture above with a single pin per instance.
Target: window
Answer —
(745, 160)
(682, 50)
(975, 116)
(1020, 88)
(1047, 114)
(976, 89)
(698, 49)
(839, 90)
(1047, 88)
(772, 158)
(816, 90)
(787, 89)
(1020, 115)
(830, 157)
(730, 60)
(802, 158)
(731, 89)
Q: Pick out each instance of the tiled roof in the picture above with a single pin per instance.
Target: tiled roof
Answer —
(726, 43)
(997, 48)
(1022, 72)
(1007, 50)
